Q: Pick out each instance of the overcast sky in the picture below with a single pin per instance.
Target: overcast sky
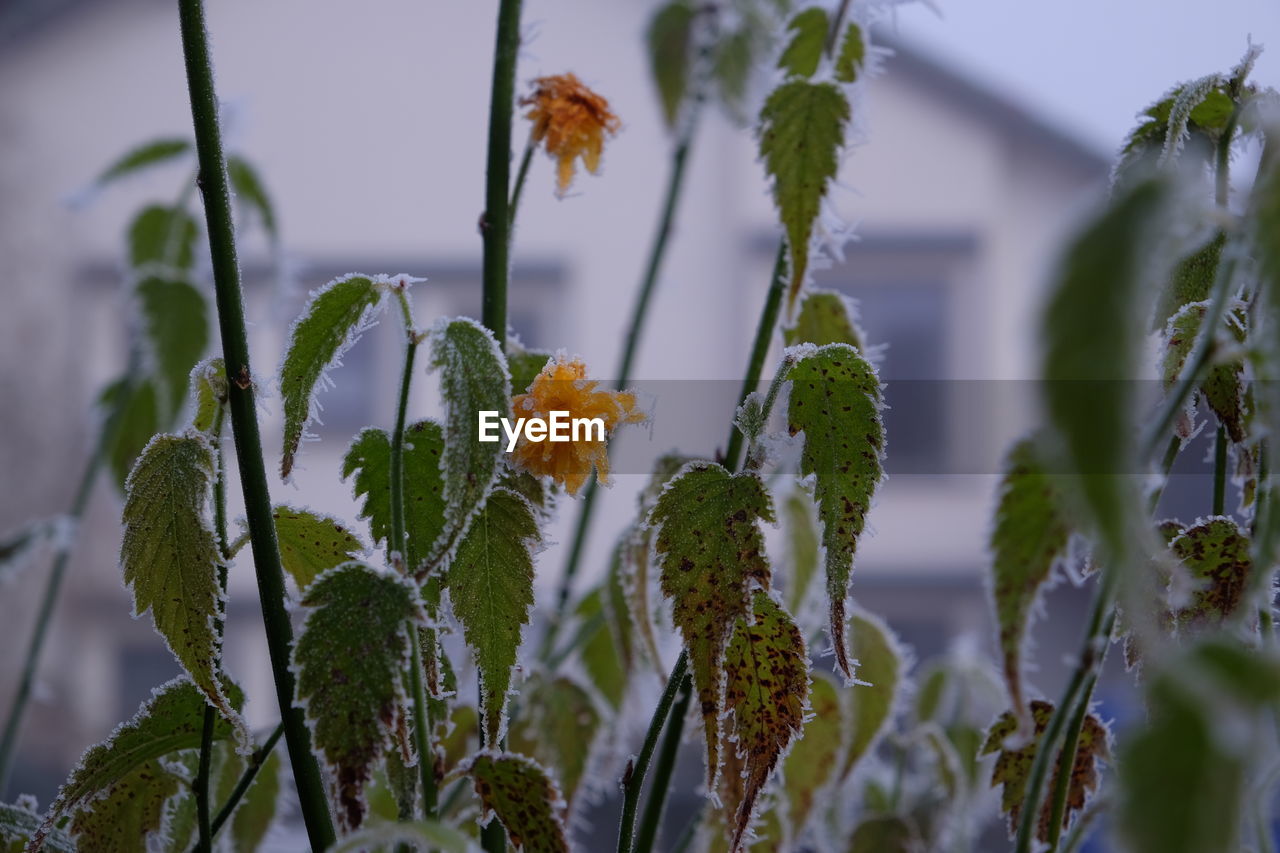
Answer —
(1090, 65)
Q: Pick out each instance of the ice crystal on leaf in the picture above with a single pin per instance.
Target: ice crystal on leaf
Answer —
(569, 121)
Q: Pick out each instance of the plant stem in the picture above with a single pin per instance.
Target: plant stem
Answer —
(523, 173)
(1220, 471)
(1066, 762)
(244, 422)
(653, 809)
(759, 350)
(631, 345)
(633, 781)
(495, 223)
(250, 773)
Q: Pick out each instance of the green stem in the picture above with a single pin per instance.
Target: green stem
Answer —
(518, 190)
(1066, 762)
(760, 349)
(200, 785)
(1220, 472)
(633, 781)
(631, 345)
(250, 773)
(833, 34)
(653, 809)
(495, 224)
(214, 189)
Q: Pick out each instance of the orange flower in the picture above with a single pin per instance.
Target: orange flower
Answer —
(563, 386)
(572, 121)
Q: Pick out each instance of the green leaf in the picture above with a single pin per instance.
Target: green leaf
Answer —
(766, 695)
(557, 728)
(311, 544)
(812, 762)
(600, 655)
(804, 51)
(209, 390)
(417, 834)
(256, 811)
(330, 323)
(491, 587)
(733, 57)
(669, 38)
(1191, 281)
(711, 552)
(853, 54)
(801, 528)
(1217, 554)
(148, 154)
(175, 317)
(1014, 758)
(170, 557)
(1086, 387)
(165, 236)
(129, 812)
(251, 192)
(1029, 537)
(170, 721)
(138, 420)
(802, 129)
(524, 798)
(880, 677)
(618, 599)
(883, 835)
(836, 402)
(19, 822)
(473, 378)
(825, 317)
(350, 660)
(1223, 388)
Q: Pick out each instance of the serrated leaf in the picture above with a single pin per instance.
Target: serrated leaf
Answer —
(766, 694)
(330, 323)
(170, 558)
(524, 798)
(885, 834)
(1191, 281)
(852, 55)
(311, 544)
(813, 761)
(712, 553)
(600, 656)
(669, 39)
(1223, 388)
(836, 402)
(801, 528)
(809, 36)
(129, 812)
(18, 824)
(1029, 537)
(1217, 554)
(137, 422)
(175, 319)
(880, 677)
(170, 721)
(350, 660)
(825, 317)
(1013, 765)
(525, 365)
(557, 728)
(148, 154)
(252, 192)
(209, 390)
(473, 378)
(802, 130)
(490, 585)
(165, 236)
(1098, 287)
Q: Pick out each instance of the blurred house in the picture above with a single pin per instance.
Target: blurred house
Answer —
(369, 123)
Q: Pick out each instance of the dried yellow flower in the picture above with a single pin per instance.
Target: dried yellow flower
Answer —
(563, 386)
(570, 121)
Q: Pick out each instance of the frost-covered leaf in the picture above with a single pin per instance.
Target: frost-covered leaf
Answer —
(252, 192)
(808, 31)
(330, 323)
(884, 834)
(209, 390)
(618, 599)
(1098, 287)
(813, 761)
(310, 543)
(462, 737)
(138, 420)
(1190, 281)
(600, 655)
(1223, 388)
(825, 317)
(146, 155)
(491, 588)
(1217, 554)
(525, 365)
(557, 727)
(170, 721)
(350, 661)
(417, 834)
(524, 798)
(473, 378)
(170, 557)
(165, 236)
(880, 673)
(1014, 759)
(852, 55)
(128, 813)
(801, 528)
(802, 129)
(175, 318)
(836, 402)
(19, 821)
(1030, 535)
(712, 553)
(17, 546)
(669, 37)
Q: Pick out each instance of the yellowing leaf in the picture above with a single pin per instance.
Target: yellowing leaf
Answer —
(1217, 554)
(311, 543)
(128, 813)
(812, 762)
(524, 798)
(880, 667)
